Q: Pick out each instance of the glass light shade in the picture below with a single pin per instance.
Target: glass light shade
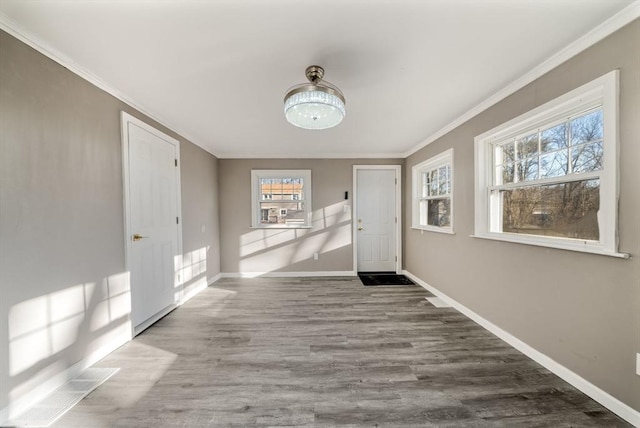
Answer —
(316, 107)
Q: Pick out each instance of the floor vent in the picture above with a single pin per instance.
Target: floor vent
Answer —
(59, 402)
(438, 302)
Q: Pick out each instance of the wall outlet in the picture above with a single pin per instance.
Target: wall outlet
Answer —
(638, 364)
(315, 256)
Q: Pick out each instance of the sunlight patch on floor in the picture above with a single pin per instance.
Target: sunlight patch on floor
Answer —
(438, 302)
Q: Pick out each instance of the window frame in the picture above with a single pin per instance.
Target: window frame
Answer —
(601, 92)
(257, 197)
(417, 171)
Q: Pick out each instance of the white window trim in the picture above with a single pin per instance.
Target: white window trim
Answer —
(601, 91)
(256, 196)
(444, 158)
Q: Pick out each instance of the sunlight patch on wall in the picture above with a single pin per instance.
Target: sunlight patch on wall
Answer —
(66, 314)
(330, 216)
(298, 250)
(43, 330)
(191, 273)
(263, 239)
(191, 265)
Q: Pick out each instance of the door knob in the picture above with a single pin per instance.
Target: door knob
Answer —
(360, 228)
(137, 237)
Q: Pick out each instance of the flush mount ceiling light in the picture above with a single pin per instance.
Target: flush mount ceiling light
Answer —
(314, 105)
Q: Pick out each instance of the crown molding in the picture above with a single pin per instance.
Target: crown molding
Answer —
(622, 18)
(311, 156)
(12, 28)
(608, 27)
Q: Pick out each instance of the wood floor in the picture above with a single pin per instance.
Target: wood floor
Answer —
(326, 352)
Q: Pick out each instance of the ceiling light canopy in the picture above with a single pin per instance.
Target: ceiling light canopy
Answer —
(314, 105)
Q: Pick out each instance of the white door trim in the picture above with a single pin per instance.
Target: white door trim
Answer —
(354, 223)
(127, 119)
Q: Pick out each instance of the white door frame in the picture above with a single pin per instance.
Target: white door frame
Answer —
(354, 222)
(127, 119)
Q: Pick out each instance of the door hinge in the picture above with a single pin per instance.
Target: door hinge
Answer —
(396, 181)
(396, 258)
(176, 162)
(396, 220)
(177, 220)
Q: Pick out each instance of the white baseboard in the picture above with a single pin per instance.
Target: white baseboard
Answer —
(616, 406)
(192, 293)
(287, 274)
(215, 279)
(18, 406)
(199, 288)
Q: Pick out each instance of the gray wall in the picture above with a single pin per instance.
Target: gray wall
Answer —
(62, 262)
(200, 215)
(582, 310)
(61, 225)
(289, 250)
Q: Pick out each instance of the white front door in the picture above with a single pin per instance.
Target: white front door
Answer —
(377, 219)
(152, 204)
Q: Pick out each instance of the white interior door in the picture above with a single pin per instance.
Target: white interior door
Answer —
(376, 220)
(153, 216)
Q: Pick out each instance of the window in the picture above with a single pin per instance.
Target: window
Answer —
(549, 177)
(433, 193)
(281, 199)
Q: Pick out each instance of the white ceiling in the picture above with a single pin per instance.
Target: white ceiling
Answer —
(216, 71)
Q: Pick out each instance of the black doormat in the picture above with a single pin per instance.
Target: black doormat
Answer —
(383, 278)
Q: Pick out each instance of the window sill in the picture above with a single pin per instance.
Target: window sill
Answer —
(280, 227)
(447, 231)
(568, 244)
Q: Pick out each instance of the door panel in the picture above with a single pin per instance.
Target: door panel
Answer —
(385, 249)
(153, 186)
(376, 219)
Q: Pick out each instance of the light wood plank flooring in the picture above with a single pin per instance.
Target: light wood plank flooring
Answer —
(326, 352)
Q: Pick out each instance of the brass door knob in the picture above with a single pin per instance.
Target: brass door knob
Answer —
(137, 237)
